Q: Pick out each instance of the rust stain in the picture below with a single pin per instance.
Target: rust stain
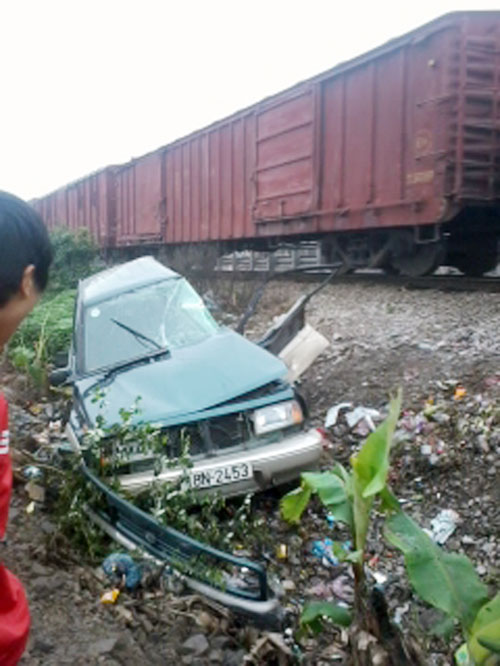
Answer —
(420, 177)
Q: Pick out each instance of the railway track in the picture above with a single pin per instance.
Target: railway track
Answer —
(439, 282)
(445, 283)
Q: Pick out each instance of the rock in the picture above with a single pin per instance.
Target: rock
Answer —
(103, 646)
(221, 642)
(288, 585)
(234, 657)
(126, 615)
(38, 569)
(42, 646)
(44, 586)
(191, 660)
(48, 526)
(196, 645)
(488, 548)
(483, 443)
(35, 491)
(148, 627)
(216, 656)
(207, 622)
(126, 650)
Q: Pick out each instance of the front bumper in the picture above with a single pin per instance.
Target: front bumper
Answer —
(190, 559)
(272, 464)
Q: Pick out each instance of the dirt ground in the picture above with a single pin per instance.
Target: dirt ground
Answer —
(381, 337)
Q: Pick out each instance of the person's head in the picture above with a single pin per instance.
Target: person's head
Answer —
(25, 258)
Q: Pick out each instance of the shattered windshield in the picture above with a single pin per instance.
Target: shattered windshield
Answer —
(168, 314)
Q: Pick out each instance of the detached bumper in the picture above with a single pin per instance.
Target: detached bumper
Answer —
(192, 560)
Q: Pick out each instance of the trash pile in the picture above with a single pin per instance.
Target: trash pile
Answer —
(445, 469)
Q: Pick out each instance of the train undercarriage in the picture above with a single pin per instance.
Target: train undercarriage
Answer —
(470, 242)
(417, 251)
(406, 252)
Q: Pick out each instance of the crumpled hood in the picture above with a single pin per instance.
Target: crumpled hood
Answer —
(190, 379)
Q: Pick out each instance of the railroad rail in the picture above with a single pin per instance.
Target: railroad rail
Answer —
(318, 273)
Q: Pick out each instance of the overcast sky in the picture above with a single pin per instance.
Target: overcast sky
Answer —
(88, 83)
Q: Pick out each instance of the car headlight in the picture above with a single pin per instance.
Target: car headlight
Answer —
(277, 416)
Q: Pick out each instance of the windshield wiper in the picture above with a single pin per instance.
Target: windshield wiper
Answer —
(137, 334)
(106, 375)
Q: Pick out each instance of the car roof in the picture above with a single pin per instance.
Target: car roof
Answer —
(124, 277)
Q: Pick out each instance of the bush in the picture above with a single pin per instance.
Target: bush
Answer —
(42, 335)
(75, 257)
(47, 331)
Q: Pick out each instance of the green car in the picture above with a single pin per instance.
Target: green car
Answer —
(142, 331)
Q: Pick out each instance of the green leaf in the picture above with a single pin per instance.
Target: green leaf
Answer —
(445, 580)
(361, 516)
(314, 611)
(329, 487)
(294, 503)
(370, 468)
(332, 489)
(343, 512)
(491, 644)
(444, 628)
(340, 471)
(346, 555)
(354, 556)
(485, 632)
(390, 502)
(372, 462)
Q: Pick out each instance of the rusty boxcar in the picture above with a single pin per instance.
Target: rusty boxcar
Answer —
(391, 159)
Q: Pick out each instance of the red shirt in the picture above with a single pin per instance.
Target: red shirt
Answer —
(14, 613)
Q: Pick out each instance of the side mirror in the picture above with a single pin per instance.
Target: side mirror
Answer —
(59, 376)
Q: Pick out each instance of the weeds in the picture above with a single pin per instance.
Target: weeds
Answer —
(75, 257)
(109, 449)
(447, 581)
(47, 331)
(73, 493)
(42, 336)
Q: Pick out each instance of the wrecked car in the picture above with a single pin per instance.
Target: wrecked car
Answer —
(142, 331)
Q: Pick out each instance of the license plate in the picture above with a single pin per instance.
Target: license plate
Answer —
(218, 476)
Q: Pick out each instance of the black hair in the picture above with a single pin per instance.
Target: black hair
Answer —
(23, 241)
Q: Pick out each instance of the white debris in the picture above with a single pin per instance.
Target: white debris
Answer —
(443, 525)
(362, 413)
(400, 611)
(332, 414)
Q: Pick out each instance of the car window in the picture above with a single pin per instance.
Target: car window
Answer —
(170, 313)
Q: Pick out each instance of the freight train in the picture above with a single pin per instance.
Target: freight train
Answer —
(391, 160)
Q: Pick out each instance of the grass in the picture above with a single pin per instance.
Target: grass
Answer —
(44, 334)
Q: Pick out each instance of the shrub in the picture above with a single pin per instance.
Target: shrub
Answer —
(42, 335)
(447, 581)
(47, 331)
(75, 257)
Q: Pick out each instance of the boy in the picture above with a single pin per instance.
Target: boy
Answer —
(25, 257)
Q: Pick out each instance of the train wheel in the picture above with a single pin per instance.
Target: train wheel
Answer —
(389, 269)
(419, 260)
(478, 258)
(474, 268)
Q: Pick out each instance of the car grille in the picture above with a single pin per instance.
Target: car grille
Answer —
(219, 433)
(207, 436)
